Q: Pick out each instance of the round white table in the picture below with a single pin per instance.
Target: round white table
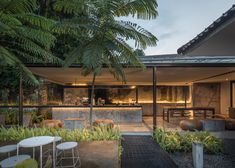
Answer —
(7, 149)
(38, 141)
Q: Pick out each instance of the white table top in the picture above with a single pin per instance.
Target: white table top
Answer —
(36, 141)
(8, 148)
(67, 145)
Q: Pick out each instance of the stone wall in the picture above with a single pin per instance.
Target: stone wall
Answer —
(117, 114)
(206, 95)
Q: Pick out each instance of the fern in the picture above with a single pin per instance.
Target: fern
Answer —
(25, 37)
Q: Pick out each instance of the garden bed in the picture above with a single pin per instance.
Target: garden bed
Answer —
(98, 147)
(217, 152)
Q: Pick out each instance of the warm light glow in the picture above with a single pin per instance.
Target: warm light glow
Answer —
(79, 84)
(226, 79)
(133, 87)
(191, 114)
(148, 101)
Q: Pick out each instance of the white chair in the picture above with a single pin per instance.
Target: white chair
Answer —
(8, 149)
(13, 161)
(61, 155)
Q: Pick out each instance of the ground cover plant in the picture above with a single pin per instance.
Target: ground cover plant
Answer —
(175, 141)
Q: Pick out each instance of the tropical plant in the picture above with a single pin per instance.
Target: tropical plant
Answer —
(174, 141)
(27, 163)
(24, 37)
(37, 118)
(102, 37)
(95, 134)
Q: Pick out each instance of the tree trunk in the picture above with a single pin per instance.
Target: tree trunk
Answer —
(92, 97)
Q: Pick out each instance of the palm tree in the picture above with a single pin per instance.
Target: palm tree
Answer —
(24, 37)
(102, 36)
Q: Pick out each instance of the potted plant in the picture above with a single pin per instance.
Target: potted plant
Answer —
(10, 117)
(37, 119)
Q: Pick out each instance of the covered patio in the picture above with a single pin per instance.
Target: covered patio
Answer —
(202, 81)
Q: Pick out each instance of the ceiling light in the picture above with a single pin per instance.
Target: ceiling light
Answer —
(79, 84)
(133, 87)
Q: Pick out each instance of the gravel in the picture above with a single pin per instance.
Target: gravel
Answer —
(184, 160)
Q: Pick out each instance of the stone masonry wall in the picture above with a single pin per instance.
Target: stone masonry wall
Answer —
(206, 95)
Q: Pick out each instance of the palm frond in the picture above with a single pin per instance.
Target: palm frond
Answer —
(18, 6)
(71, 6)
(143, 9)
(7, 58)
(36, 20)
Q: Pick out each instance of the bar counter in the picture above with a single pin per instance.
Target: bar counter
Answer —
(119, 114)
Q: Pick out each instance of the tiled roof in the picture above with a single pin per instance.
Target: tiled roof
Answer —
(230, 14)
(179, 59)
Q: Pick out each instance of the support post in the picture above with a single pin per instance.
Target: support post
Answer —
(154, 99)
(185, 97)
(137, 95)
(231, 93)
(20, 117)
(197, 153)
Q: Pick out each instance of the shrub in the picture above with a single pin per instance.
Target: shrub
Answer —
(174, 141)
(27, 163)
(93, 134)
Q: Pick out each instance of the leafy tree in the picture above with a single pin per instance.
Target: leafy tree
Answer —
(102, 38)
(139, 52)
(24, 37)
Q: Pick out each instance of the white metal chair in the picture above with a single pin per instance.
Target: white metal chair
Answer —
(61, 150)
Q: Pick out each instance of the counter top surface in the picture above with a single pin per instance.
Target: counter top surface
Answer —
(73, 106)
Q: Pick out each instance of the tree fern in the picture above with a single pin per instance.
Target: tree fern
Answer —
(106, 37)
(25, 37)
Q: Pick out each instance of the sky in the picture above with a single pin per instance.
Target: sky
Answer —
(179, 21)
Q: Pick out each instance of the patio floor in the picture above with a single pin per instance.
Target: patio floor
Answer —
(143, 152)
(146, 126)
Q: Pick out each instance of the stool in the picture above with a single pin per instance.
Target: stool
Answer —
(191, 125)
(104, 122)
(14, 160)
(56, 139)
(8, 149)
(66, 146)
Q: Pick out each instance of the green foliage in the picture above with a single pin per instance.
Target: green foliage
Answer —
(93, 134)
(101, 37)
(24, 37)
(37, 118)
(11, 117)
(174, 141)
(27, 163)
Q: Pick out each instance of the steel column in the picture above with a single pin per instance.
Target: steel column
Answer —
(154, 99)
(20, 102)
